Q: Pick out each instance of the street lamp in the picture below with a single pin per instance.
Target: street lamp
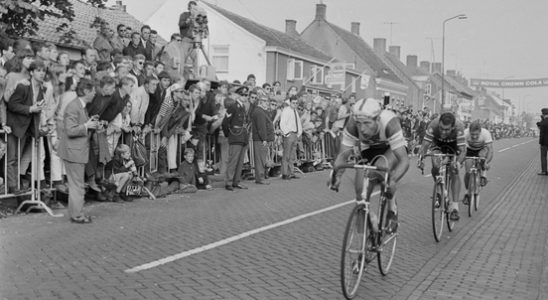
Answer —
(461, 17)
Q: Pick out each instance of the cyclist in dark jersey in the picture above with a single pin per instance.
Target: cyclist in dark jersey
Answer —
(445, 134)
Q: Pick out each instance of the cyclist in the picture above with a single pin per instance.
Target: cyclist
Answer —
(445, 134)
(374, 131)
(479, 143)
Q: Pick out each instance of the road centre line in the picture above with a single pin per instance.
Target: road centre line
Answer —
(234, 238)
(516, 145)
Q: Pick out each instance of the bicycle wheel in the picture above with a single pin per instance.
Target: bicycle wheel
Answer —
(476, 193)
(470, 192)
(438, 212)
(386, 242)
(353, 258)
(447, 201)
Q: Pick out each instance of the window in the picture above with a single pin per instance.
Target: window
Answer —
(316, 73)
(294, 69)
(428, 89)
(219, 59)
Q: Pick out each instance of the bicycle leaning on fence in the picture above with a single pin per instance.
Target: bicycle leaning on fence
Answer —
(367, 235)
(472, 197)
(441, 194)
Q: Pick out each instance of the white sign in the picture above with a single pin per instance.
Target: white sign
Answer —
(364, 81)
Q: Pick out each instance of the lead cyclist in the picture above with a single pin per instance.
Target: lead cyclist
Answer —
(374, 131)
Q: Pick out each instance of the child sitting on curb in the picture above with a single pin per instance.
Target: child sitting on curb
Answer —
(123, 170)
(189, 174)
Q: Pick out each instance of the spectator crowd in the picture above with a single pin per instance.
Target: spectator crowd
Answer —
(132, 118)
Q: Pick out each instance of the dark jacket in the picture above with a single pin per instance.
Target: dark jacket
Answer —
(18, 116)
(185, 25)
(131, 51)
(236, 125)
(116, 105)
(543, 127)
(187, 172)
(261, 125)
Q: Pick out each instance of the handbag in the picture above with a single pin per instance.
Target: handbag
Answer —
(139, 152)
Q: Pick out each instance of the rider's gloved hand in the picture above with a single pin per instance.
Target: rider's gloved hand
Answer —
(334, 181)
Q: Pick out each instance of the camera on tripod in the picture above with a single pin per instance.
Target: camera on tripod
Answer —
(200, 29)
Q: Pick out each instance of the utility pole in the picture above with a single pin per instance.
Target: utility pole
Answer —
(391, 25)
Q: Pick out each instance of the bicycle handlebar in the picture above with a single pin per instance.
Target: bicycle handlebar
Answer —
(358, 166)
(440, 155)
(474, 157)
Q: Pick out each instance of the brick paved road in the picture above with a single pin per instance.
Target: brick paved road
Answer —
(496, 254)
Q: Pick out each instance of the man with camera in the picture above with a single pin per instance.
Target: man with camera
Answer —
(187, 24)
(74, 147)
(543, 141)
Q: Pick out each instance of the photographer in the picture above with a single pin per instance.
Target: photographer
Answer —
(187, 22)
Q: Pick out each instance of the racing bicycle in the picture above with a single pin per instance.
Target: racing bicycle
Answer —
(472, 196)
(367, 235)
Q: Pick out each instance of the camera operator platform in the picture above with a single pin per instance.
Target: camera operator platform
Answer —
(193, 27)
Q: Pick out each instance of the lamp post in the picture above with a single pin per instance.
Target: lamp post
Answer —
(461, 17)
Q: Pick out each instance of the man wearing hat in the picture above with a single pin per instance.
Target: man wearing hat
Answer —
(543, 141)
(236, 128)
(263, 134)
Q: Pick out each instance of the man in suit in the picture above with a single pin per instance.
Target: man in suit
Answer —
(543, 141)
(74, 147)
(263, 134)
(235, 127)
(23, 117)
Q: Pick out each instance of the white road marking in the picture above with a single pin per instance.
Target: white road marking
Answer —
(231, 239)
(516, 145)
(428, 175)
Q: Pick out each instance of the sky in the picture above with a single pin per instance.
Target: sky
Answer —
(500, 39)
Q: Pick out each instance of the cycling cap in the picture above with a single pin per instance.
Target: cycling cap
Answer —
(367, 108)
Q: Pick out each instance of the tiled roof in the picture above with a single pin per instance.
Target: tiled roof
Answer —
(271, 36)
(406, 71)
(463, 89)
(453, 86)
(85, 15)
(366, 53)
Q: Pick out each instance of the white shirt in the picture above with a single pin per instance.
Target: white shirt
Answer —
(290, 121)
(139, 104)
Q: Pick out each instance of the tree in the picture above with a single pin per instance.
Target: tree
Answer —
(20, 17)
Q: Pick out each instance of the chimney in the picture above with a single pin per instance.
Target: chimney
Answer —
(379, 44)
(119, 3)
(355, 28)
(320, 11)
(412, 61)
(124, 8)
(425, 65)
(291, 27)
(452, 73)
(436, 67)
(395, 50)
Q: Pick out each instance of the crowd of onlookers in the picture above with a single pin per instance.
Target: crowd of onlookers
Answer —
(146, 117)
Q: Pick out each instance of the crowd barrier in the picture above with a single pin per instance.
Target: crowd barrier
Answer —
(36, 159)
(312, 148)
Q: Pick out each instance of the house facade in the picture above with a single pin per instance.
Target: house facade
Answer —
(350, 48)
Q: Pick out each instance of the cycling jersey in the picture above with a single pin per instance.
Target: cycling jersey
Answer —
(456, 137)
(389, 134)
(484, 138)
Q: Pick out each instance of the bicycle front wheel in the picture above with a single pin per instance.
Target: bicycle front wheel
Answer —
(438, 213)
(353, 258)
(470, 192)
(386, 243)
